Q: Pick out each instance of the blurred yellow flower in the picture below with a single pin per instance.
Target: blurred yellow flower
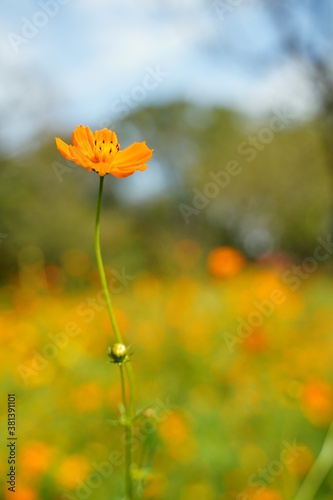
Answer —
(87, 397)
(302, 462)
(72, 470)
(156, 486)
(75, 263)
(198, 491)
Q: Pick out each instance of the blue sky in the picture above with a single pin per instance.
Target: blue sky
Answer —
(90, 61)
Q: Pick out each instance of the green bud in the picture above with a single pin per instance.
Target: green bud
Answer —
(118, 353)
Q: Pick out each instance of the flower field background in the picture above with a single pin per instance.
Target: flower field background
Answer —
(221, 281)
(231, 419)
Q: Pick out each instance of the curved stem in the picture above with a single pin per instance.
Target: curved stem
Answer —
(129, 407)
(319, 470)
(101, 267)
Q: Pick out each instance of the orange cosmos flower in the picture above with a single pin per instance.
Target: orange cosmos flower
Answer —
(99, 151)
(225, 262)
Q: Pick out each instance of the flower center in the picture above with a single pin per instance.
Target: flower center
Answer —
(104, 150)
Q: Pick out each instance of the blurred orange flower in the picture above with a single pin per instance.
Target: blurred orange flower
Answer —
(176, 437)
(317, 402)
(225, 262)
(99, 151)
(22, 494)
(267, 495)
(257, 342)
(35, 458)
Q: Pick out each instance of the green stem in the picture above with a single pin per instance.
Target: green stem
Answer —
(123, 388)
(129, 483)
(131, 389)
(101, 267)
(129, 407)
(128, 478)
(319, 470)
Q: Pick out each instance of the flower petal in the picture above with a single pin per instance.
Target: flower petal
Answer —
(63, 148)
(83, 140)
(106, 135)
(126, 173)
(132, 157)
(79, 158)
(102, 168)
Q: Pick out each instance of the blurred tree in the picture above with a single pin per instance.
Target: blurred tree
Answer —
(275, 199)
(297, 33)
(305, 33)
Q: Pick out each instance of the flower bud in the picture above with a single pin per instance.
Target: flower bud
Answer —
(149, 413)
(118, 353)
